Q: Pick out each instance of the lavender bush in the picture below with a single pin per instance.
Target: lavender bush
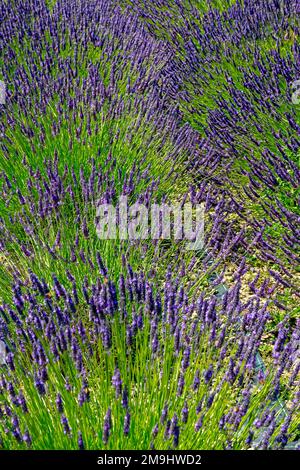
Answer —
(140, 344)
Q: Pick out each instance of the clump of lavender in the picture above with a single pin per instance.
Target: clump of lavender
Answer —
(188, 391)
(133, 345)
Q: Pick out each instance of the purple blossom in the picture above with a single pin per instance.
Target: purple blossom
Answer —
(59, 403)
(155, 431)
(196, 380)
(199, 424)
(117, 382)
(125, 397)
(64, 421)
(107, 426)
(185, 413)
(208, 374)
(80, 441)
(127, 423)
(40, 386)
(22, 402)
(180, 385)
(164, 414)
(27, 439)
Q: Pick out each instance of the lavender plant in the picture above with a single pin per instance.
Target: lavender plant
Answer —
(140, 344)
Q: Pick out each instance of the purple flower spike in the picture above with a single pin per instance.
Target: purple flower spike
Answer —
(155, 431)
(10, 361)
(27, 439)
(59, 403)
(101, 265)
(196, 380)
(125, 398)
(180, 385)
(175, 430)
(107, 426)
(80, 441)
(84, 395)
(185, 413)
(40, 386)
(64, 421)
(208, 374)
(127, 423)
(186, 358)
(199, 424)
(250, 438)
(117, 382)
(164, 414)
(22, 403)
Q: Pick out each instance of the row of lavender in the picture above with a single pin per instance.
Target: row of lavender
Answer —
(76, 363)
(94, 110)
(237, 69)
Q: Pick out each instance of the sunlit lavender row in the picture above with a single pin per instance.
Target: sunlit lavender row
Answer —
(142, 344)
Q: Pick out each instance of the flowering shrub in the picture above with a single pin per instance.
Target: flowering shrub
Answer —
(141, 344)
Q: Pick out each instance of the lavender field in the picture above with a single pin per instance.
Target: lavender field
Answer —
(148, 339)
